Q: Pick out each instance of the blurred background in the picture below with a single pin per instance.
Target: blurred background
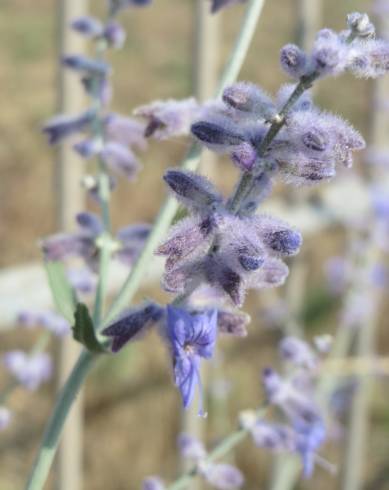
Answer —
(132, 411)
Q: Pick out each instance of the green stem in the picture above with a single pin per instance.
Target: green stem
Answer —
(52, 434)
(54, 428)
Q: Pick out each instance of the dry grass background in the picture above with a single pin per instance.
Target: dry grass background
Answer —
(132, 410)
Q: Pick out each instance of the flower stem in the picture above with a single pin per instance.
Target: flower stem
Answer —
(53, 431)
(54, 428)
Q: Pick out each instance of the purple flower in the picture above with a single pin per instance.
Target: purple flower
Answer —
(297, 352)
(218, 133)
(368, 59)
(126, 131)
(191, 337)
(169, 118)
(120, 159)
(51, 321)
(29, 370)
(232, 323)
(114, 34)
(86, 65)
(97, 86)
(293, 61)
(87, 26)
(153, 483)
(249, 100)
(308, 439)
(88, 148)
(190, 447)
(82, 279)
(217, 5)
(5, 417)
(192, 190)
(62, 126)
(116, 5)
(221, 476)
(132, 324)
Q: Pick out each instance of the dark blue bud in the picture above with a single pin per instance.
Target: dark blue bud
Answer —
(250, 263)
(216, 134)
(285, 242)
(131, 325)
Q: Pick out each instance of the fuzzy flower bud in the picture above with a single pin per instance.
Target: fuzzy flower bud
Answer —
(62, 126)
(193, 190)
(132, 324)
(249, 99)
(360, 25)
(293, 61)
(218, 134)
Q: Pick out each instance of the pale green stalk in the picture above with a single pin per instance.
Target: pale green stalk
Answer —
(86, 360)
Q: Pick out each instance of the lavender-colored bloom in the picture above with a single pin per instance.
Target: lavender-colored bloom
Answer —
(360, 25)
(275, 437)
(194, 191)
(309, 438)
(116, 5)
(169, 118)
(369, 59)
(82, 280)
(88, 148)
(297, 352)
(5, 417)
(293, 61)
(114, 34)
(60, 127)
(153, 483)
(99, 87)
(297, 405)
(217, 5)
(121, 159)
(221, 476)
(250, 100)
(244, 156)
(48, 319)
(126, 131)
(232, 323)
(190, 447)
(86, 65)
(90, 223)
(329, 56)
(191, 338)
(87, 26)
(132, 324)
(277, 236)
(132, 239)
(29, 370)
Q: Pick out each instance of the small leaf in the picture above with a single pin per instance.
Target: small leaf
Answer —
(83, 330)
(63, 294)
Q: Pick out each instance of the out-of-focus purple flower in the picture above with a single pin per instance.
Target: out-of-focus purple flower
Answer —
(217, 5)
(114, 34)
(380, 7)
(88, 148)
(297, 405)
(29, 370)
(191, 338)
(323, 343)
(120, 159)
(99, 87)
(276, 437)
(309, 439)
(231, 323)
(62, 126)
(116, 5)
(131, 241)
(5, 417)
(249, 100)
(87, 26)
(369, 59)
(221, 476)
(82, 279)
(297, 352)
(190, 447)
(126, 131)
(337, 272)
(86, 65)
(91, 185)
(153, 483)
(48, 319)
(293, 61)
(132, 324)
(168, 118)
